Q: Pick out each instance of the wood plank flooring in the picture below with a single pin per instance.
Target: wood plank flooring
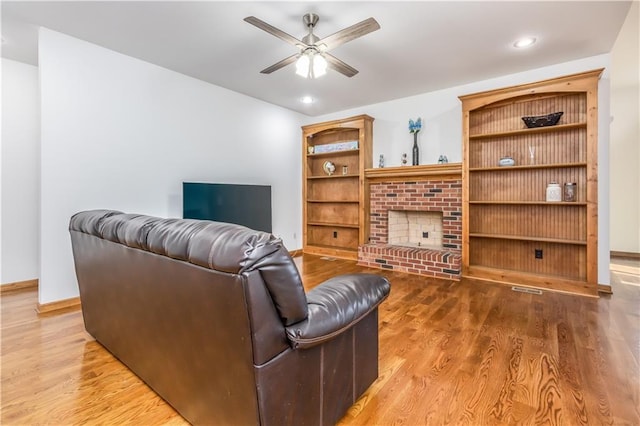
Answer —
(466, 353)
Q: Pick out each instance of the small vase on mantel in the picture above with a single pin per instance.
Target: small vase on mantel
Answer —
(414, 127)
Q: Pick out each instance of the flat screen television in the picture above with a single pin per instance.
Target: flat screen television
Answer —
(248, 205)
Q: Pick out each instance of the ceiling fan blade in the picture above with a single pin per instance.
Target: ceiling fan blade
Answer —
(283, 63)
(340, 66)
(275, 31)
(348, 34)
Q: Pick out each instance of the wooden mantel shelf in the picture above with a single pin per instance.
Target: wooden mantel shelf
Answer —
(447, 171)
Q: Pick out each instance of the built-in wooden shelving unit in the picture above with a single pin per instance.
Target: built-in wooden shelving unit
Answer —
(336, 206)
(510, 233)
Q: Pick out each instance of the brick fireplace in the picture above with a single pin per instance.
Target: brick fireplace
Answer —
(424, 215)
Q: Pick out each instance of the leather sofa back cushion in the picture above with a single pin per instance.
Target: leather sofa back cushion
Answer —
(219, 246)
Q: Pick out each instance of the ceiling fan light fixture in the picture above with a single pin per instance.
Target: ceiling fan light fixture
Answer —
(311, 64)
(319, 65)
(302, 65)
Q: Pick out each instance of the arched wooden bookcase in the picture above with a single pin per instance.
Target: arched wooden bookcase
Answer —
(510, 233)
(336, 205)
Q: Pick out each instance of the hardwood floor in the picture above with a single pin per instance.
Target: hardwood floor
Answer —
(450, 354)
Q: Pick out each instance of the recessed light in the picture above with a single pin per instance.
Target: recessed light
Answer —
(524, 42)
(306, 100)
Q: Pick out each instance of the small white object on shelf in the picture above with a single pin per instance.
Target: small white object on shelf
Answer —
(506, 161)
(554, 192)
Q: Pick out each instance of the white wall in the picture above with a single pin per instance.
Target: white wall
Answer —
(123, 134)
(625, 136)
(20, 172)
(441, 113)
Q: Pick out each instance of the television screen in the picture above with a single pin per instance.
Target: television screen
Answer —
(248, 205)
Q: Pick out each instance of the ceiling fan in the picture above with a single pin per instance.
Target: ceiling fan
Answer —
(313, 58)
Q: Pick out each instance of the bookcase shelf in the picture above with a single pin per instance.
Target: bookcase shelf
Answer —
(510, 233)
(528, 131)
(334, 225)
(532, 203)
(332, 201)
(523, 238)
(334, 176)
(533, 166)
(333, 154)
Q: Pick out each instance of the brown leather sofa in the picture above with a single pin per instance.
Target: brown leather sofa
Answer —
(214, 318)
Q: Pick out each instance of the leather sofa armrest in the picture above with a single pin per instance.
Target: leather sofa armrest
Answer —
(336, 305)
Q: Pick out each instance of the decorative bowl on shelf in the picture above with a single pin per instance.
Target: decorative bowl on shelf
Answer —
(328, 167)
(543, 120)
(506, 161)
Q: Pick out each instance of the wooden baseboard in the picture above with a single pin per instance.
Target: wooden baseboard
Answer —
(625, 255)
(44, 308)
(296, 253)
(605, 289)
(19, 285)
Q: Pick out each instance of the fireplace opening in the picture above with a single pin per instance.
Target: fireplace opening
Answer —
(410, 228)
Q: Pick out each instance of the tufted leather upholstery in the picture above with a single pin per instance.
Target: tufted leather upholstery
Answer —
(214, 317)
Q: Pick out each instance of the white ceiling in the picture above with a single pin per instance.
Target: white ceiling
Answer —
(422, 45)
